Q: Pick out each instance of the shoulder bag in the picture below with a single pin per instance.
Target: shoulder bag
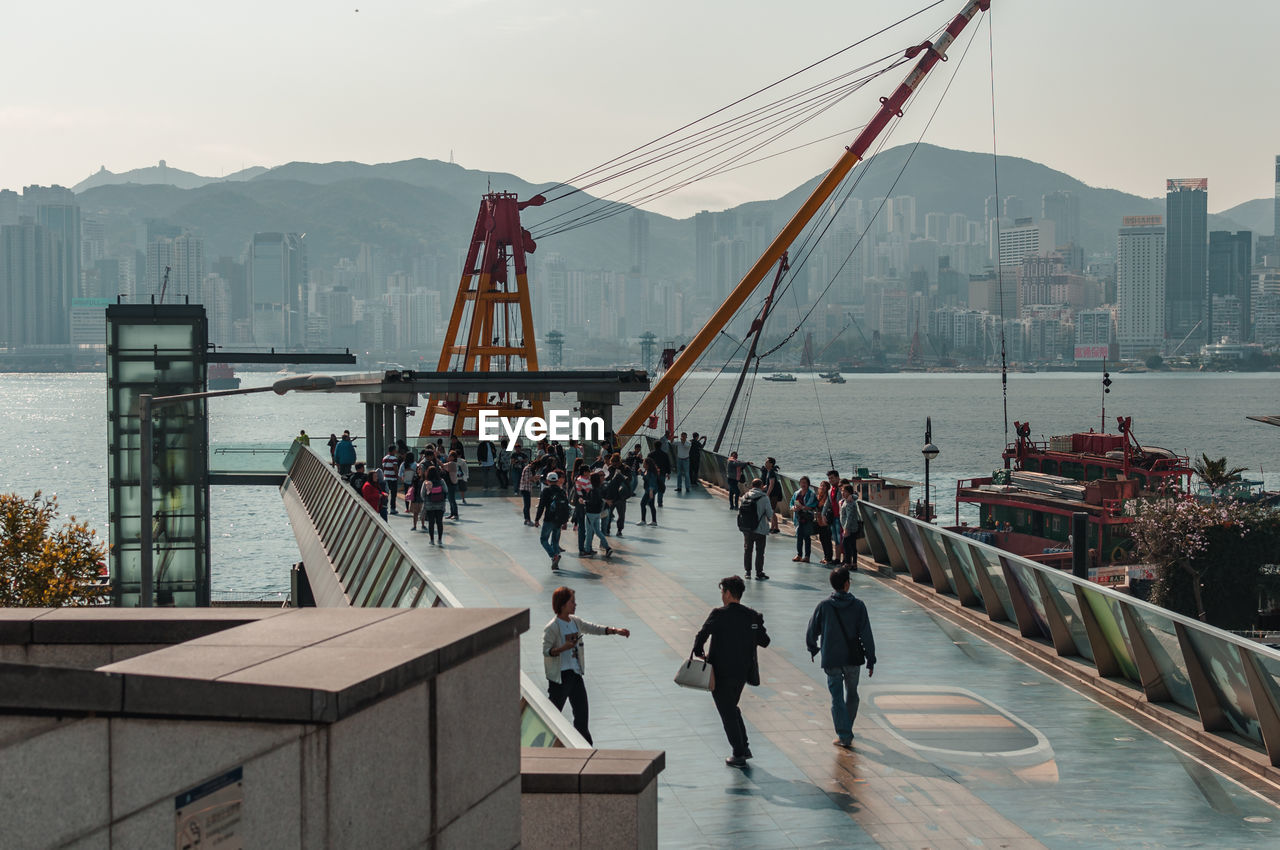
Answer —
(696, 674)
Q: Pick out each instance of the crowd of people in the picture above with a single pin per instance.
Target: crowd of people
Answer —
(590, 496)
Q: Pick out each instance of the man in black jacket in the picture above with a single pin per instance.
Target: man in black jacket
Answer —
(841, 621)
(735, 631)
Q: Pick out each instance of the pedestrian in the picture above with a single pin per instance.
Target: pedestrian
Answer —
(303, 438)
(804, 503)
(841, 622)
(526, 489)
(635, 460)
(344, 454)
(650, 480)
(581, 487)
(333, 445)
(391, 476)
(682, 462)
(735, 631)
(502, 467)
(519, 460)
(773, 488)
(593, 508)
(824, 519)
(572, 453)
(754, 515)
(735, 473)
(372, 492)
(450, 482)
(564, 656)
(433, 493)
(413, 492)
(618, 488)
(358, 477)
(553, 505)
(464, 473)
(695, 458)
(834, 496)
(851, 526)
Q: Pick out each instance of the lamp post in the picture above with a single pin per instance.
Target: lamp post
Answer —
(146, 404)
(930, 451)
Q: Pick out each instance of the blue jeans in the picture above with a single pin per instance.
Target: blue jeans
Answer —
(550, 537)
(842, 682)
(682, 472)
(593, 530)
(451, 490)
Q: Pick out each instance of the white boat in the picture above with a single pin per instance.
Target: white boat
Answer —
(781, 376)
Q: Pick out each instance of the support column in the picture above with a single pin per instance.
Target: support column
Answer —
(388, 427)
(402, 424)
(370, 432)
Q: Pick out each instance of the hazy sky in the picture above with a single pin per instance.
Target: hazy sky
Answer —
(1119, 93)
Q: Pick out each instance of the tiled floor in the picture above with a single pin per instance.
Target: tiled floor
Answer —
(958, 745)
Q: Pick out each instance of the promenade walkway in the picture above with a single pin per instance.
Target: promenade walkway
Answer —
(958, 744)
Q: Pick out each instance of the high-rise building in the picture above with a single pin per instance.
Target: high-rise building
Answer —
(57, 211)
(187, 278)
(1275, 227)
(276, 266)
(1063, 209)
(29, 275)
(1186, 260)
(937, 226)
(704, 241)
(1230, 261)
(639, 242)
(1140, 276)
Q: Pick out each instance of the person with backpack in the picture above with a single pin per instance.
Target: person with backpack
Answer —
(617, 489)
(804, 504)
(841, 622)
(434, 493)
(592, 508)
(554, 504)
(450, 481)
(754, 515)
(773, 487)
(850, 526)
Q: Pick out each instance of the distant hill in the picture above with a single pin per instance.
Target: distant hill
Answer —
(161, 174)
(1257, 215)
(424, 206)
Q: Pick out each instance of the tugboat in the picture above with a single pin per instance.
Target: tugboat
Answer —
(785, 377)
(1026, 507)
(222, 377)
(835, 378)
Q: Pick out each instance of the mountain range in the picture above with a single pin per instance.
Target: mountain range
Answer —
(423, 206)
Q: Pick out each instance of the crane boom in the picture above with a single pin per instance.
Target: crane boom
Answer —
(930, 54)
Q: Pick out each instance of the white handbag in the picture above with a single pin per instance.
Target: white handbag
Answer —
(696, 673)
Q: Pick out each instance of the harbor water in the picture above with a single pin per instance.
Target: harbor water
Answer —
(55, 436)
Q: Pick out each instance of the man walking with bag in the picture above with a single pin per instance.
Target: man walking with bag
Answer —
(841, 621)
(735, 631)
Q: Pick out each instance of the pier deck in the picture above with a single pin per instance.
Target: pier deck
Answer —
(958, 743)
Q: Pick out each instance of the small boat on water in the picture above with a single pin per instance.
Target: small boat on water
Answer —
(785, 377)
(222, 377)
(828, 375)
(835, 378)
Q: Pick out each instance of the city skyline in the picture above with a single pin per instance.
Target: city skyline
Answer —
(376, 85)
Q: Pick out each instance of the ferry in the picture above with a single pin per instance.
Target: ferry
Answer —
(785, 377)
(222, 377)
(1026, 507)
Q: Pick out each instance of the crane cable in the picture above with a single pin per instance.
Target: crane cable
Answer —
(995, 174)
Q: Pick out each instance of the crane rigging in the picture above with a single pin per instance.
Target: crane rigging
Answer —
(929, 53)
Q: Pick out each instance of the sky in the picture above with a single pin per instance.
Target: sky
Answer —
(1117, 93)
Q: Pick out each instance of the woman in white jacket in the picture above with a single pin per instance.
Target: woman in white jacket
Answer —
(564, 656)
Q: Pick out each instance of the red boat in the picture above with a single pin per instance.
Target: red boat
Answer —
(222, 377)
(1026, 507)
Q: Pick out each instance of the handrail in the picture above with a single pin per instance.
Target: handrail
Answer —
(353, 559)
(1231, 683)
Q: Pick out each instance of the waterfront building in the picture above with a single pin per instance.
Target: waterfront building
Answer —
(276, 268)
(1025, 238)
(1140, 280)
(30, 312)
(1186, 260)
(1095, 327)
(89, 321)
(1230, 261)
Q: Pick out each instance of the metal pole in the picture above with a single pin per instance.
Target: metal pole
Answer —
(144, 503)
(757, 328)
(1080, 544)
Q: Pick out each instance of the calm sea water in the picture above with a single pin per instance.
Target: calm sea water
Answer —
(55, 435)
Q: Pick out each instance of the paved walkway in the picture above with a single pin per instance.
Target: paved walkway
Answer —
(958, 744)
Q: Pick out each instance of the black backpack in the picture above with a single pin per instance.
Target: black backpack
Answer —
(748, 515)
(558, 508)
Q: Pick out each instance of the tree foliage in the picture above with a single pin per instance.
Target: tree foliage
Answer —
(1215, 474)
(1207, 555)
(43, 566)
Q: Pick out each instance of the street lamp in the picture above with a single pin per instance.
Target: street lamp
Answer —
(930, 451)
(147, 403)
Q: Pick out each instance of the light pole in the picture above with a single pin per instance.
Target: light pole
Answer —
(146, 404)
(930, 451)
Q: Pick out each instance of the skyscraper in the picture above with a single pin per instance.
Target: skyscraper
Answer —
(29, 313)
(1275, 227)
(277, 272)
(1140, 277)
(1063, 209)
(1230, 260)
(1186, 259)
(639, 242)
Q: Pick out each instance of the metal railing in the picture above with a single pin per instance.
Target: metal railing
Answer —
(1232, 684)
(352, 558)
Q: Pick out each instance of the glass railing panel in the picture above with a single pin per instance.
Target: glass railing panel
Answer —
(391, 565)
(1221, 663)
(1161, 640)
(1107, 612)
(961, 558)
(989, 561)
(1062, 594)
(1026, 579)
(355, 534)
(408, 594)
(890, 537)
(913, 538)
(364, 575)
